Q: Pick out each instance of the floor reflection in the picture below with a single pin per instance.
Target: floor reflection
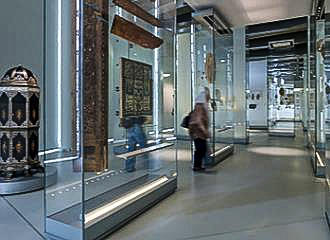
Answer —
(277, 151)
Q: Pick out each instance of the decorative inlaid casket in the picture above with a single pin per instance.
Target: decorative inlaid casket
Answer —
(19, 123)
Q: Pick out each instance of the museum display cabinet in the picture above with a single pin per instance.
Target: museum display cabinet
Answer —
(256, 95)
(212, 53)
(287, 101)
(321, 109)
(281, 105)
(287, 76)
(311, 131)
(317, 123)
(326, 56)
(110, 72)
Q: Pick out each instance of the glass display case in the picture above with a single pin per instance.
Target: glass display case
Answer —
(282, 111)
(317, 107)
(212, 53)
(312, 91)
(320, 111)
(110, 69)
(257, 97)
(327, 106)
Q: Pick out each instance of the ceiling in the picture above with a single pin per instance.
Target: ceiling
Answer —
(247, 12)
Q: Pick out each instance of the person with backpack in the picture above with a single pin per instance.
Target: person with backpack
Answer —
(199, 128)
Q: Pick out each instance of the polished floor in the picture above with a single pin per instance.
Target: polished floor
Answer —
(266, 190)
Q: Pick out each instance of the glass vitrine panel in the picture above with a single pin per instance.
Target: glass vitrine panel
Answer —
(312, 89)
(62, 118)
(320, 122)
(212, 69)
(117, 105)
(327, 110)
(282, 95)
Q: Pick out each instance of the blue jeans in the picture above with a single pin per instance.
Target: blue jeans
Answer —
(135, 135)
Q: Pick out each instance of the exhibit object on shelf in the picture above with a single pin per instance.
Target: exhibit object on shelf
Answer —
(19, 123)
(136, 10)
(136, 89)
(133, 33)
(209, 67)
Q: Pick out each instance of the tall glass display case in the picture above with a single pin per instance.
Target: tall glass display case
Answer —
(117, 107)
(312, 90)
(282, 110)
(326, 55)
(212, 53)
(317, 95)
(320, 111)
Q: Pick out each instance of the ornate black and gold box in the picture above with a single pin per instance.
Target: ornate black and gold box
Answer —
(19, 123)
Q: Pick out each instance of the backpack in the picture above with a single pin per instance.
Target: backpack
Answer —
(185, 121)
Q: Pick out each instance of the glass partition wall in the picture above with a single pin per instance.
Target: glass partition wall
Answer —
(212, 68)
(282, 95)
(317, 126)
(119, 105)
(326, 55)
(320, 114)
(312, 90)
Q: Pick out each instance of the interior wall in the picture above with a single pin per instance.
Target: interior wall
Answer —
(66, 75)
(21, 38)
(58, 78)
(21, 24)
(258, 86)
(21, 31)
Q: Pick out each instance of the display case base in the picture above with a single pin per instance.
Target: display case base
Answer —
(281, 133)
(243, 141)
(327, 135)
(220, 155)
(66, 225)
(28, 184)
(320, 169)
(258, 127)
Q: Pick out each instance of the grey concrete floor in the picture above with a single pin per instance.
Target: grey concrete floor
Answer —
(266, 190)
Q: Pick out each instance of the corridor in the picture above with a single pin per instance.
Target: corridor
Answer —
(266, 190)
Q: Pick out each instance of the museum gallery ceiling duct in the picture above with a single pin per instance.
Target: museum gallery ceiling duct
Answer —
(19, 124)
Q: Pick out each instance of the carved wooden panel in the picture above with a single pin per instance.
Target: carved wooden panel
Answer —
(95, 86)
(133, 33)
(137, 11)
(136, 89)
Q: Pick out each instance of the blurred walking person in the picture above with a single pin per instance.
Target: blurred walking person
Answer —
(199, 128)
